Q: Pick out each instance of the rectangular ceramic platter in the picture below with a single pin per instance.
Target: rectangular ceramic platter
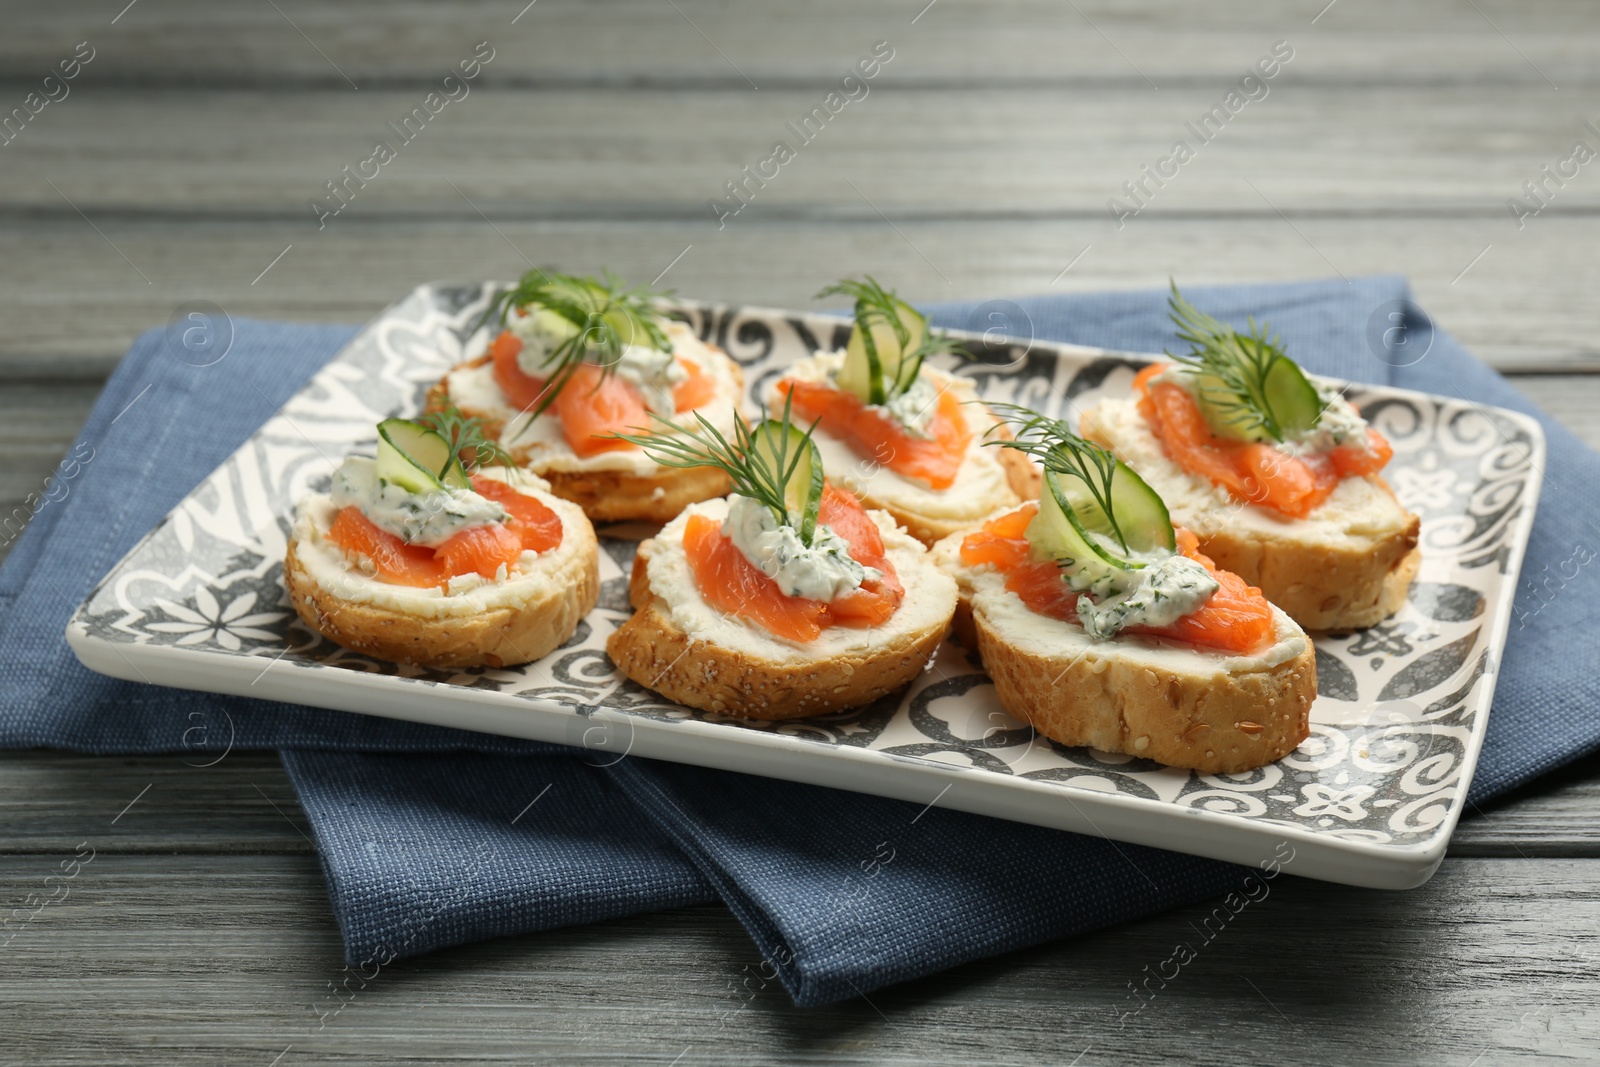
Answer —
(1369, 799)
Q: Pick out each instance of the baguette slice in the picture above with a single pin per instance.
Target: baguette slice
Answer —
(476, 623)
(616, 486)
(678, 645)
(1347, 565)
(990, 480)
(1177, 704)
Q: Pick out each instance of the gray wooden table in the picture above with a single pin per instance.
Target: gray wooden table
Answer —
(178, 164)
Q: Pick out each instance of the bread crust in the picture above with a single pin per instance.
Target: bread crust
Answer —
(1212, 720)
(1321, 586)
(1216, 724)
(499, 637)
(610, 495)
(650, 649)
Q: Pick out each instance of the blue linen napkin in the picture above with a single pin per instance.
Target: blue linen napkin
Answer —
(842, 893)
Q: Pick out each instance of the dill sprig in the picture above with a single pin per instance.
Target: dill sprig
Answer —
(606, 319)
(468, 437)
(1059, 450)
(873, 305)
(761, 469)
(1235, 363)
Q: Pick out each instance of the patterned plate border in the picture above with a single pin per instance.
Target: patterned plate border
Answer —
(1369, 799)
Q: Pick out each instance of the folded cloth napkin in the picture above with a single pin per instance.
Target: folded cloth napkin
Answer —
(841, 892)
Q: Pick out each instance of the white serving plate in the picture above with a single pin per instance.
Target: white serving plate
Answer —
(1369, 799)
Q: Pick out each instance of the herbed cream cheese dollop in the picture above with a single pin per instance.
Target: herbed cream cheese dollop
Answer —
(1164, 590)
(427, 519)
(824, 570)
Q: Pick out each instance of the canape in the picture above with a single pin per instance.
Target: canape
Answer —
(571, 361)
(1103, 625)
(1274, 470)
(900, 434)
(786, 599)
(412, 558)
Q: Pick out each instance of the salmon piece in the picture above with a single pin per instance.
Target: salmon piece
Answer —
(1351, 461)
(875, 601)
(479, 550)
(395, 561)
(730, 583)
(593, 403)
(522, 390)
(534, 523)
(697, 390)
(1236, 618)
(1253, 472)
(878, 436)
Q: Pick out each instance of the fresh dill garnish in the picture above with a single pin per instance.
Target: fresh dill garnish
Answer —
(467, 437)
(761, 461)
(1235, 367)
(1061, 451)
(876, 305)
(605, 319)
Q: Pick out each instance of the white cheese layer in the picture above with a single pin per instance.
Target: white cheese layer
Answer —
(980, 487)
(540, 444)
(823, 570)
(1357, 510)
(534, 574)
(929, 602)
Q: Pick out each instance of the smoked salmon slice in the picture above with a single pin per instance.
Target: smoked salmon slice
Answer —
(395, 561)
(534, 523)
(479, 550)
(593, 404)
(875, 435)
(1250, 471)
(730, 583)
(1237, 618)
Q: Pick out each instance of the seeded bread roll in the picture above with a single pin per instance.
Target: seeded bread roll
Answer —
(614, 486)
(1347, 565)
(686, 650)
(472, 622)
(1177, 704)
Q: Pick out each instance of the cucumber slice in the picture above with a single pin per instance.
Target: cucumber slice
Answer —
(789, 453)
(417, 459)
(1292, 397)
(1072, 524)
(875, 359)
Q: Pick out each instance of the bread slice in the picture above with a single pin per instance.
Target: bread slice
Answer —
(618, 486)
(474, 622)
(686, 650)
(991, 479)
(1347, 565)
(1177, 704)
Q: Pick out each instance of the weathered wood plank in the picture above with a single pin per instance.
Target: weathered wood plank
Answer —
(617, 153)
(197, 960)
(71, 300)
(648, 43)
(242, 802)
